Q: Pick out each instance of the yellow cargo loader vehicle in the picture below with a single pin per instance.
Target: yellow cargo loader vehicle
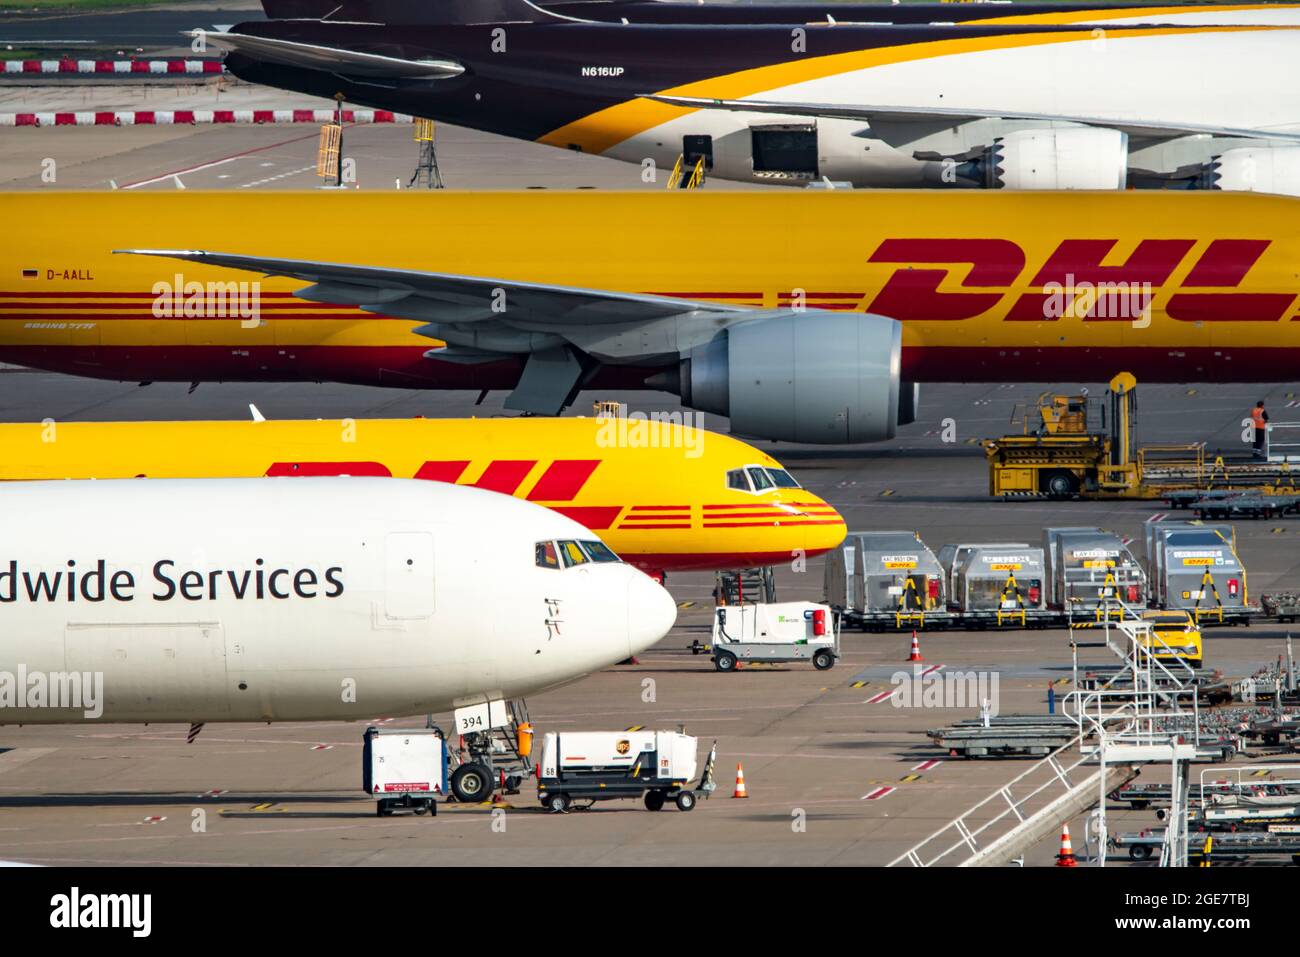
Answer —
(1060, 455)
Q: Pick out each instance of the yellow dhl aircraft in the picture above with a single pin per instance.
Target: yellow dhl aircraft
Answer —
(806, 317)
(666, 497)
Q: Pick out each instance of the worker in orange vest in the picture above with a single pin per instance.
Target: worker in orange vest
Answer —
(1260, 418)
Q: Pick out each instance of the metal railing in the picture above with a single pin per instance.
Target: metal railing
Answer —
(1113, 721)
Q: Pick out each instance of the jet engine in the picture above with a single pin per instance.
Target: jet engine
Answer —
(1260, 169)
(1071, 157)
(803, 377)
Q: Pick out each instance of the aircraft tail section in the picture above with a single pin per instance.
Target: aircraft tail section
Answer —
(437, 12)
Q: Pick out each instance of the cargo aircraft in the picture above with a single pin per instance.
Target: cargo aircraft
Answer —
(665, 497)
(324, 599)
(805, 317)
(1171, 98)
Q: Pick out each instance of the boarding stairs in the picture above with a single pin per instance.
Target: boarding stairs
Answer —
(687, 174)
(752, 585)
(1143, 714)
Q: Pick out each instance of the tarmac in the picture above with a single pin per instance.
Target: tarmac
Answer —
(267, 156)
(836, 774)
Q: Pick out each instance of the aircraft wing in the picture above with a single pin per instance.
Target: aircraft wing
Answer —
(930, 114)
(563, 332)
(309, 56)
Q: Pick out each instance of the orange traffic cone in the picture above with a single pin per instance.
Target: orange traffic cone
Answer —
(740, 791)
(916, 648)
(1066, 857)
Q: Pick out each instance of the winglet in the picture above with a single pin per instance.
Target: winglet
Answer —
(256, 413)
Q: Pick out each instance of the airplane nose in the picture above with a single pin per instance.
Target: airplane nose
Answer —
(651, 612)
(821, 527)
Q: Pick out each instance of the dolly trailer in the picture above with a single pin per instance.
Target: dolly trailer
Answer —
(656, 766)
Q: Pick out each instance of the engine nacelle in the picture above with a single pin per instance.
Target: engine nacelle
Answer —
(1259, 169)
(1068, 158)
(802, 377)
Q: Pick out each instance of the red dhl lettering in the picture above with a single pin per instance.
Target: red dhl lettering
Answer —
(913, 294)
(562, 481)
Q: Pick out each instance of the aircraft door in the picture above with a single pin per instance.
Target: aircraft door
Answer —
(785, 150)
(696, 146)
(408, 575)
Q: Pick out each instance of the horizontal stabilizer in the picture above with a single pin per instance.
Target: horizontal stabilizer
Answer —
(308, 56)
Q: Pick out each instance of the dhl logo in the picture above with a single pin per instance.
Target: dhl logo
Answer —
(561, 481)
(995, 265)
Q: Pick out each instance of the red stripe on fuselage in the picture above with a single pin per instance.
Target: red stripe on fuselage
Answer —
(563, 480)
(505, 476)
(595, 517)
(442, 471)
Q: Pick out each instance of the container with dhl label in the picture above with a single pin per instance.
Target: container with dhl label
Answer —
(657, 766)
(1000, 578)
(884, 573)
(1089, 567)
(404, 768)
(1196, 567)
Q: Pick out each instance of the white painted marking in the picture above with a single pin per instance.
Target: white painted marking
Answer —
(192, 169)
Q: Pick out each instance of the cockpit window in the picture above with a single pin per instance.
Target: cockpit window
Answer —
(756, 478)
(782, 479)
(599, 552)
(573, 554)
(547, 557)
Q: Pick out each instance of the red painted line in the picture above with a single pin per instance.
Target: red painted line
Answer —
(930, 670)
(882, 696)
(927, 765)
(709, 295)
(773, 514)
(783, 524)
(627, 525)
(878, 793)
(31, 294)
(137, 305)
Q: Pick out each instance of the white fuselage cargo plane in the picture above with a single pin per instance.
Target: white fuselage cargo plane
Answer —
(299, 599)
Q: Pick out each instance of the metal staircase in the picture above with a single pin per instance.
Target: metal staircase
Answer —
(686, 175)
(1144, 713)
